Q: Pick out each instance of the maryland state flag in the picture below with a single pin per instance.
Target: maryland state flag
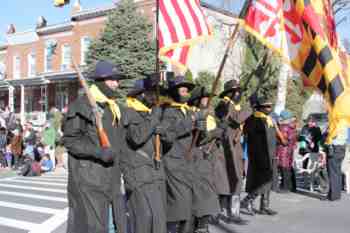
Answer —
(303, 33)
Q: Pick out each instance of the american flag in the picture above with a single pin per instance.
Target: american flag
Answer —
(181, 24)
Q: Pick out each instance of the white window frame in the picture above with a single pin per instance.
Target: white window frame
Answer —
(16, 70)
(84, 49)
(31, 58)
(48, 42)
(65, 61)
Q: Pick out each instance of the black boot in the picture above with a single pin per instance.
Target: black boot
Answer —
(202, 224)
(248, 204)
(233, 211)
(265, 205)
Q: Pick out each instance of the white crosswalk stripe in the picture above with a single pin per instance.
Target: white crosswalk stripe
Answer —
(33, 204)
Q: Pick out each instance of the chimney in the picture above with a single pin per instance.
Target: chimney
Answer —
(76, 7)
(11, 29)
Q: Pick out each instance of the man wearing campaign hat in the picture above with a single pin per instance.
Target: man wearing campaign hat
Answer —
(229, 174)
(261, 138)
(204, 157)
(144, 180)
(184, 198)
(94, 173)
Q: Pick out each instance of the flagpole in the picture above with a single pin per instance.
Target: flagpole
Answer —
(157, 37)
(157, 69)
(230, 44)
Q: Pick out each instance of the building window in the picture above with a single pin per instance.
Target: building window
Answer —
(16, 67)
(66, 57)
(50, 47)
(31, 64)
(62, 96)
(85, 45)
(2, 70)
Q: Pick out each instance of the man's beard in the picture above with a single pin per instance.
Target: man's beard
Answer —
(107, 91)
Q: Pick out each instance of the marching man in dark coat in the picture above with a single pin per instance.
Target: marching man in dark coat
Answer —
(230, 170)
(144, 182)
(94, 173)
(205, 151)
(261, 138)
(184, 198)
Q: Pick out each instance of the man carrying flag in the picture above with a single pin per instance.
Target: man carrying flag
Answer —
(303, 34)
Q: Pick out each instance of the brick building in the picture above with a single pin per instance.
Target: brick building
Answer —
(35, 65)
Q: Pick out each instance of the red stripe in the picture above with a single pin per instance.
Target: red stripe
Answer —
(168, 21)
(206, 23)
(182, 18)
(184, 54)
(194, 17)
(160, 39)
(170, 53)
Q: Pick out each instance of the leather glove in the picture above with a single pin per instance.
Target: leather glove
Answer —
(201, 125)
(200, 115)
(105, 155)
(160, 130)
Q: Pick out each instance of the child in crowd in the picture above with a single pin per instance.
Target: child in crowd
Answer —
(8, 156)
(46, 163)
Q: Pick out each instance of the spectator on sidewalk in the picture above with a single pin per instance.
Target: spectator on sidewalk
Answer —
(30, 139)
(46, 164)
(335, 156)
(16, 147)
(285, 151)
(3, 143)
(49, 141)
(30, 167)
(8, 156)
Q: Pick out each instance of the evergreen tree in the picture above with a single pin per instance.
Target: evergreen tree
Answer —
(260, 71)
(126, 41)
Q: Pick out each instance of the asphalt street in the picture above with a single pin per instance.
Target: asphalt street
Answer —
(39, 205)
(33, 204)
(298, 213)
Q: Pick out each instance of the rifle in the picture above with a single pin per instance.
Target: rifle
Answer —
(102, 135)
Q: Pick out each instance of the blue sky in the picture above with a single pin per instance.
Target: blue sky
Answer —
(24, 13)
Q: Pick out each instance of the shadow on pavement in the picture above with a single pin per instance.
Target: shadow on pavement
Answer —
(225, 228)
(308, 193)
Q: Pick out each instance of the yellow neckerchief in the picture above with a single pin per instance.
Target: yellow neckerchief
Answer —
(137, 105)
(183, 107)
(264, 116)
(101, 98)
(236, 106)
(211, 122)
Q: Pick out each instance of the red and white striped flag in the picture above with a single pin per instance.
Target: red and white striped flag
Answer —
(178, 57)
(181, 24)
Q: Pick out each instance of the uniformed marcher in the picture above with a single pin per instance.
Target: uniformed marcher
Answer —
(229, 174)
(203, 155)
(144, 182)
(94, 173)
(261, 138)
(184, 199)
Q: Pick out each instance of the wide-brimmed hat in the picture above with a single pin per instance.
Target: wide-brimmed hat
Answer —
(229, 86)
(148, 83)
(179, 81)
(105, 70)
(263, 102)
(198, 93)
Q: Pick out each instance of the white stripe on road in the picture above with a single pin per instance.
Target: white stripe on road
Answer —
(17, 224)
(38, 182)
(52, 223)
(41, 179)
(34, 196)
(33, 188)
(29, 207)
